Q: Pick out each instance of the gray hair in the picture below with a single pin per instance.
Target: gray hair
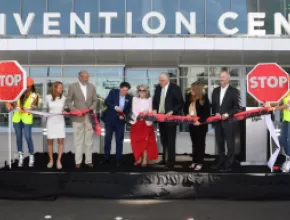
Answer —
(166, 75)
(227, 72)
(145, 87)
(82, 71)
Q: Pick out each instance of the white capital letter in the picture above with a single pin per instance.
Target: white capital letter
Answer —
(47, 23)
(108, 16)
(84, 26)
(24, 28)
(280, 21)
(129, 23)
(157, 30)
(2, 24)
(222, 26)
(190, 26)
(252, 23)
(17, 79)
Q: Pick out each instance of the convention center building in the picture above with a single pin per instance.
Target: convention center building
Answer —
(136, 40)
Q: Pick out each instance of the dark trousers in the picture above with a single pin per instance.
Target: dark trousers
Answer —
(225, 132)
(198, 135)
(168, 138)
(118, 128)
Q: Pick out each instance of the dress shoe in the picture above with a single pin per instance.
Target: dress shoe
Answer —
(90, 165)
(78, 166)
(118, 163)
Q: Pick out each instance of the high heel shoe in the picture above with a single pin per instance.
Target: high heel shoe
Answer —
(59, 165)
(136, 164)
(144, 164)
(50, 164)
(198, 167)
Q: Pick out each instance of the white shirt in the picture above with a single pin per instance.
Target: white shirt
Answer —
(222, 94)
(84, 89)
(140, 105)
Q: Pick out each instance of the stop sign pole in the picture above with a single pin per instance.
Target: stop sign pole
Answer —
(12, 86)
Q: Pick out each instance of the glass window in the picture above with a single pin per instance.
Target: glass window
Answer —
(54, 71)
(38, 7)
(270, 7)
(117, 24)
(139, 73)
(242, 8)
(92, 6)
(40, 71)
(73, 71)
(167, 8)
(155, 73)
(108, 78)
(194, 72)
(214, 9)
(26, 68)
(110, 71)
(197, 6)
(138, 8)
(64, 8)
(8, 8)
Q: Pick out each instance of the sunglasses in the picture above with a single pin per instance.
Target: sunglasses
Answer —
(140, 90)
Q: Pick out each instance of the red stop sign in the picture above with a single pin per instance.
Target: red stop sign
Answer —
(268, 82)
(12, 81)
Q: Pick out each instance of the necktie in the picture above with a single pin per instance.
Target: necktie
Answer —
(162, 102)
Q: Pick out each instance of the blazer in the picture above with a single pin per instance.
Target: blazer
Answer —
(173, 100)
(231, 101)
(76, 99)
(110, 115)
(202, 111)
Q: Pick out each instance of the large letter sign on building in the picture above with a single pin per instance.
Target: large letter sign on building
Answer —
(12, 81)
(268, 82)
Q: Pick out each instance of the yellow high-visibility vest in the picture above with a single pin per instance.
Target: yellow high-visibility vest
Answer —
(25, 117)
(286, 112)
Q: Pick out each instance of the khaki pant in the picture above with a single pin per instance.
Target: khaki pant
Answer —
(83, 140)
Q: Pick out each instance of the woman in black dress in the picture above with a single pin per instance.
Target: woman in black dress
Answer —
(198, 105)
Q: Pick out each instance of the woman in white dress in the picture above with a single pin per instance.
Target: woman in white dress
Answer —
(55, 104)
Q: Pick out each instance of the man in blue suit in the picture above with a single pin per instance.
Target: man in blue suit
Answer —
(118, 105)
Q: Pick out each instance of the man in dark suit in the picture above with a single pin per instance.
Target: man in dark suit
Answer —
(118, 105)
(167, 100)
(225, 103)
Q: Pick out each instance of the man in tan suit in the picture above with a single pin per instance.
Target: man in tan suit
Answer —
(82, 95)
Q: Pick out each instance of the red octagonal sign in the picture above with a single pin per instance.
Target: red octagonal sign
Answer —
(268, 82)
(12, 81)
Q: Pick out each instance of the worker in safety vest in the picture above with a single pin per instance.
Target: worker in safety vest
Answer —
(23, 120)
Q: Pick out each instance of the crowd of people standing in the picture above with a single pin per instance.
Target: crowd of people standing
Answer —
(121, 107)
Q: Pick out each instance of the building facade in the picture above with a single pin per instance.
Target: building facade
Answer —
(135, 40)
